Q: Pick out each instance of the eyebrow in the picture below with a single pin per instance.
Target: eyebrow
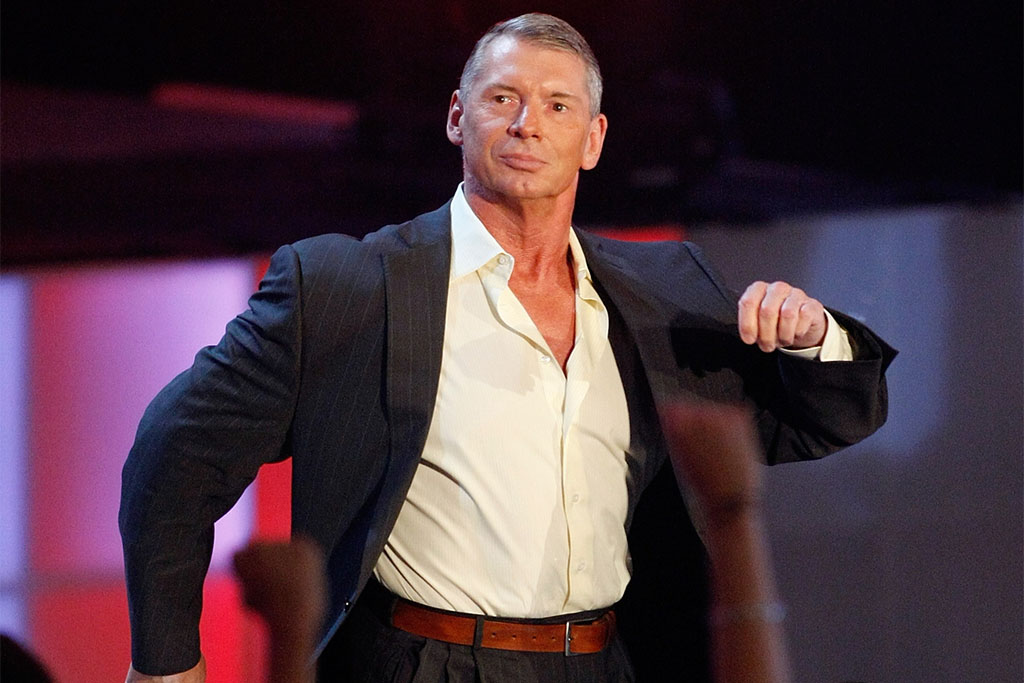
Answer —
(564, 95)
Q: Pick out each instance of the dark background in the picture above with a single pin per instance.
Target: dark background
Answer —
(732, 111)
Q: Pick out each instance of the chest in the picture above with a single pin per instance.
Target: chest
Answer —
(553, 313)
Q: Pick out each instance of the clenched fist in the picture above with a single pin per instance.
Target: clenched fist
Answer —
(780, 315)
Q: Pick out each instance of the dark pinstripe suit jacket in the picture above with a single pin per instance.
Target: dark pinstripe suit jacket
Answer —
(336, 363)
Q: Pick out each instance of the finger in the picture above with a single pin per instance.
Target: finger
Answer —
(768, 315)
(812, 325)
(789, 317)
(804, 321)
(748, 308)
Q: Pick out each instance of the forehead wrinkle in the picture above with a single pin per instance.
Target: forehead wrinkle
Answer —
(504, 45)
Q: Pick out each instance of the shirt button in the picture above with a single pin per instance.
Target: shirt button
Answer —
(503, 259)
(545, 359)
(581, 566)
(576, 498)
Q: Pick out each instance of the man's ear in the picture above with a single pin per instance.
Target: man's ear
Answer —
(454, 127)
(595, 141)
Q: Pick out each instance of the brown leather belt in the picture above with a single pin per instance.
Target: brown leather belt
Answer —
(567, 637)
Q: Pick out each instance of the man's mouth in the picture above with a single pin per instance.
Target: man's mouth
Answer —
(522, 162)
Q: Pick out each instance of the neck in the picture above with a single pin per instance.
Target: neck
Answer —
(534, 231)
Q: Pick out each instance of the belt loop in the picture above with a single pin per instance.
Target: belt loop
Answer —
(478, 632)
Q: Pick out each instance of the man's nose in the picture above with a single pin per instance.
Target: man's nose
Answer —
(525, 124)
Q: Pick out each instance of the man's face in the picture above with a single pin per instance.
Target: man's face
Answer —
(524, 126)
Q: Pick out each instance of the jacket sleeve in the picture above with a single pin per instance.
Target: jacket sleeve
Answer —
(199, 444)
(822, 407)
(808, 409)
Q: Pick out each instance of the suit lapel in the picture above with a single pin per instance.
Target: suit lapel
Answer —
(647, 364)
(636, 344)
(645, 317)
(416, 285)
(416, 290)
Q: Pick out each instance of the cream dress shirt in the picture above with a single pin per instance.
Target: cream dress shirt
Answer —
(519, 503)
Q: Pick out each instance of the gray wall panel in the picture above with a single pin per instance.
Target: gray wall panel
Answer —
(901, 559)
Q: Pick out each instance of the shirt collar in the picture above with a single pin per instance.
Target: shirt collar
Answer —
(584, 283)
(474, 247)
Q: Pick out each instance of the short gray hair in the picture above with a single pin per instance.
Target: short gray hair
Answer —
(544, 30)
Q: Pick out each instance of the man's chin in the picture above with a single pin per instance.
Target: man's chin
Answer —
(527, 190)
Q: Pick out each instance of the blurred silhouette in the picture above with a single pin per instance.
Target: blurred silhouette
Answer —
(286, 584)
(715, 455)
(19, 665)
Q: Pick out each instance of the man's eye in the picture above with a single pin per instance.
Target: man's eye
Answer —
(502, 99)
(558, 106)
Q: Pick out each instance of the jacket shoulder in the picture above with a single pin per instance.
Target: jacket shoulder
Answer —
(423, 229)
(670, 271)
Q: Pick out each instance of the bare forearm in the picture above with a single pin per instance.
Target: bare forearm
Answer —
(286, 583)
(715, 456)
(746, 616)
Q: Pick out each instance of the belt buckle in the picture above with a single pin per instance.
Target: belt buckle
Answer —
(568, 636)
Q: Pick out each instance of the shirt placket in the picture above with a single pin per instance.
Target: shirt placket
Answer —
(580, 524)
(554, 384)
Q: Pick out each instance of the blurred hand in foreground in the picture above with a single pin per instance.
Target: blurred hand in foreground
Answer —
(285, 583)
(715, 454)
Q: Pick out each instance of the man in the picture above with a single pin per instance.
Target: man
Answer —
(469, 402)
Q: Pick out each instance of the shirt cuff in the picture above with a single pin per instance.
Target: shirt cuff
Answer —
(834, 347)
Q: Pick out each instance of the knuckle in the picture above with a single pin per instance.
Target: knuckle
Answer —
(753, 291)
